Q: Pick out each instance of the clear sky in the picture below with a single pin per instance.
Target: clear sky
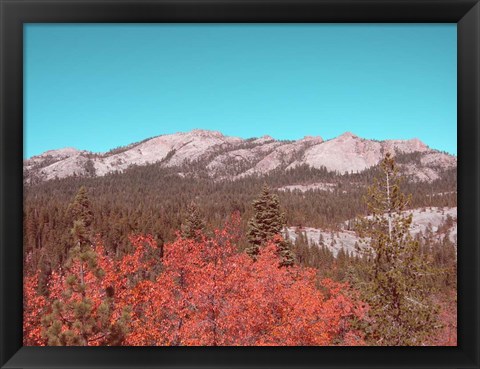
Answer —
(96, 87)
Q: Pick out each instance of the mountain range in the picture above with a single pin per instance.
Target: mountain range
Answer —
(226, 157)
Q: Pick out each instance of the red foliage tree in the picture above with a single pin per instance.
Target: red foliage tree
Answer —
(34, 306)
(203, 292)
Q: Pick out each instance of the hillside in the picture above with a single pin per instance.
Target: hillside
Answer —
(439, 223)
(223, 157)
(153, 199)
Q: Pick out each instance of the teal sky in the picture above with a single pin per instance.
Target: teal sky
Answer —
(96, 87)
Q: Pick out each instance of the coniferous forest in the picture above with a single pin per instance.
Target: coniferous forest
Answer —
(150, 257)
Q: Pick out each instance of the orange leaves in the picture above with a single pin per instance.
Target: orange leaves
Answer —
(205, 293)
(224, 298)
(33, 309)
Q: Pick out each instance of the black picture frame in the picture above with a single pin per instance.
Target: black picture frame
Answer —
(14, 13)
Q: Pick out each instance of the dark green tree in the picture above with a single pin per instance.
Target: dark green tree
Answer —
(284, 248)
(397, 290)
(193, 223)
(268, 222)
(80, 209)
(90, 170)
(73, 319)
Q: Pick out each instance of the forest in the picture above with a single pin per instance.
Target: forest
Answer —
(150, 257)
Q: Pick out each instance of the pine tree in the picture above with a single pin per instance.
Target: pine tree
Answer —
(82, 315)
(268, 222)
(284, 249)
(400, 311)
(81, 209)
(193, 223)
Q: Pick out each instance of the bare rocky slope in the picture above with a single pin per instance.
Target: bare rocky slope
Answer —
(427, 219)
(227, 157)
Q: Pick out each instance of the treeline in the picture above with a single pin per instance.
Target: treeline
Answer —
(153, 200)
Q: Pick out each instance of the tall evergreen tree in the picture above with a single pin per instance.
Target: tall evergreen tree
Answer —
(268, 222)
(400, 311)
(193, 223)
(80, 209)
(85, 322)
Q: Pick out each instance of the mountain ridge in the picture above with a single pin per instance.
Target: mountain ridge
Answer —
(230, 157)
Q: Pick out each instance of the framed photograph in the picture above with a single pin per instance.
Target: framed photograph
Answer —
(239, 184)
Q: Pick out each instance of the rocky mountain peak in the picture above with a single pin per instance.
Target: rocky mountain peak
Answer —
(417, 144)
(205, 133)
(63, 152)
(312, 139)
(347, 135)
(227, 157)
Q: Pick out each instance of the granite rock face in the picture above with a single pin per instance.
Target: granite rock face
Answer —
(226, 157)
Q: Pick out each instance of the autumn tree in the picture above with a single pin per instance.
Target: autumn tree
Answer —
(209, 294)
(34, 307)
(267, 222)
(400, 311)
